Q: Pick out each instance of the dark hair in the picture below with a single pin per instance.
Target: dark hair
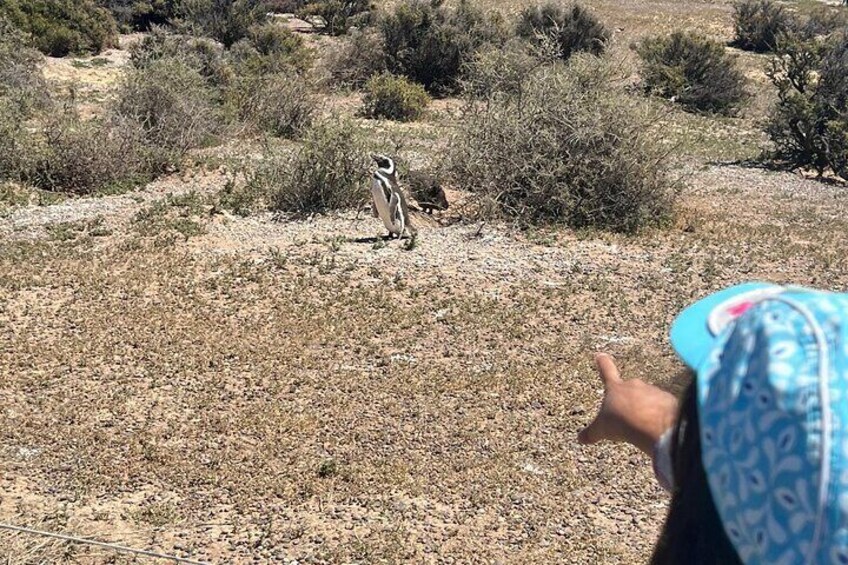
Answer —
(693, 533)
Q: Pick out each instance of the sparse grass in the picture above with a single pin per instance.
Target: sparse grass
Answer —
(419, 400)
(92, 63)
(67, 231)
(171, 218)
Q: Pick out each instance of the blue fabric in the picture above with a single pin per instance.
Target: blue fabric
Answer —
(690, 336)
(773, 411)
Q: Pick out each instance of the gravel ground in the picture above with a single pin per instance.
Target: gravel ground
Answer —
(264, 390)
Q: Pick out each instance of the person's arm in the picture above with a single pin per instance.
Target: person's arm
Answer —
(632, 411)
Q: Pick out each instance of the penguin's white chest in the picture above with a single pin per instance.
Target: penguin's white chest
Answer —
(384, 208)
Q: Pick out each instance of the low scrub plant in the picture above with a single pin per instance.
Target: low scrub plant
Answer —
(430, 43)
(226, 21)
(566, 29)
(171, 103)
(95, 156)
(60, 27)
(821, 21)
(571, 149)
(759, 24)
(202, 54)
(359, 56)
(281, 105)
(22, 84)
(394, 98)
(140, 15)
(17, 144)
(283, 6)
(809, 125)
(329, 171)
(693, 71)
(270, 48)
(336, 17)
(495, 71)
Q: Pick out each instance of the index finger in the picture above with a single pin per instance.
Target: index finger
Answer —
(607, 369)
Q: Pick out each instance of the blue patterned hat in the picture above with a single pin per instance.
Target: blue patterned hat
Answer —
(772, 382)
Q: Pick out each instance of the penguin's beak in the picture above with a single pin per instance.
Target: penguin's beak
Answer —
(375, 157)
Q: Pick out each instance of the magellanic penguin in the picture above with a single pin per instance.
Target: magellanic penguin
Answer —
(388, 200)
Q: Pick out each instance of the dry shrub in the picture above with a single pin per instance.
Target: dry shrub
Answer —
(430, 43)
(394, 98)
(281, 105)
(172, 104)
(59, 27)
(200, 53)
(809, 125)
(270, 48)
(65, 154)
(336, 16)
(694, 71)
(494, 70)
(283, 6)
(17, 144)
(821, 21)
(759, 24)
(140, 15)
(327, 172)
(570, 149)
(567, 28)
(22, 84)
(226, 21)
(359, 56)
(95, 156)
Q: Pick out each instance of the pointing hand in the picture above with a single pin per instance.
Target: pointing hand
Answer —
(631, 411)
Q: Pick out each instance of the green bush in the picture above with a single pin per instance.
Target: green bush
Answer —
(329, 171)
(497, 70)
(809, 126)
(172, 104)
(281, 105)
(394, 98)
(336, 16)
(822, 21)
(694, 71)
(95, 156)
(570, 150)
(22, 84)
(565, 29)
(200, 53)
(283, 6)
(17, 144)
(430, 44)
(59, 27)
(759, 24)
(359, 56)
(270, 48)
(226, 21)
(140, 15)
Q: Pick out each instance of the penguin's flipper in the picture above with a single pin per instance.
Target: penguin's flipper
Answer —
(394, 212)
(374, 211)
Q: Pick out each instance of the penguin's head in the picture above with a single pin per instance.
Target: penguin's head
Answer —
(384, 162)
